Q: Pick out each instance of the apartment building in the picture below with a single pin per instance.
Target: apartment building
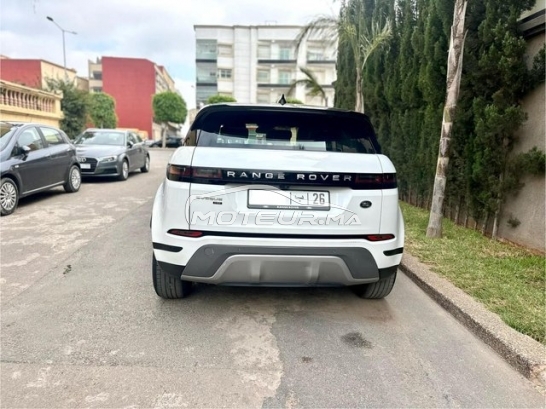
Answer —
(257, 64)
(35, 73)
(132, 82)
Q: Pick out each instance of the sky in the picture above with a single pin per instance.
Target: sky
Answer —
(159, 30)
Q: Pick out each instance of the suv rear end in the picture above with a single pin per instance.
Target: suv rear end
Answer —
(277, 196)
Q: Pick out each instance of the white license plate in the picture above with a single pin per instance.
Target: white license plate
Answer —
(288, 199)
(85, 165)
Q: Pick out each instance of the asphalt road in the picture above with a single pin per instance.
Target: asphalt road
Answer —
(82, 327)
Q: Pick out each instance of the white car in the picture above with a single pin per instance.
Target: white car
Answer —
(271, 195)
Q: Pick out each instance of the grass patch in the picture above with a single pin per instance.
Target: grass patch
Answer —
(508, 280)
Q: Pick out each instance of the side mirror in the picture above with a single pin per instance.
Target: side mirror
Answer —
(130, 144)
(20, 150)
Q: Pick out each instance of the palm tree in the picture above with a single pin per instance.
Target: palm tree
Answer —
(351, 29)
(311, 85)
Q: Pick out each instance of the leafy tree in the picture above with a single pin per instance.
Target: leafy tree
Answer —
(311, 84)
(168, 106)
(215, 99)
(75, 106)
(102, 110)
(350, 28)
(290, 100)
(405, 90)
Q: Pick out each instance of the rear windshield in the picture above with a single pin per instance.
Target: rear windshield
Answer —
(101, 138)
(285, 130)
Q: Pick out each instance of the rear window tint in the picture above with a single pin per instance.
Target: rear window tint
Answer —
(285, 130)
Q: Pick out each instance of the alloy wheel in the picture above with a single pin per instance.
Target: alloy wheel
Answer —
(75, 178)
(8, 196)
(125, 170)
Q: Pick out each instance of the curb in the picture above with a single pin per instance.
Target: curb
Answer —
(522, 352)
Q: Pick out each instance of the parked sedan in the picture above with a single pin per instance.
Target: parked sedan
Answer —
(111, 152)
(34, 158)
(171, 141)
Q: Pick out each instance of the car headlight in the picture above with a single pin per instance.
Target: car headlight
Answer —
(107, 159)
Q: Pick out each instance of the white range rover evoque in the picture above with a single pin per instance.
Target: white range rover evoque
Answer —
(277, 195)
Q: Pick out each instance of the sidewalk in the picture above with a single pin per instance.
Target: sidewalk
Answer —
(525, 354)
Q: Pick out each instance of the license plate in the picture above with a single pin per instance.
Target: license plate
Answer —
(85, 165)
(288, 199)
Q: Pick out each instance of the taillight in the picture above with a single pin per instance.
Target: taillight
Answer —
(189, 174)
(185, 233)
(379, 237)
(389, 180)
(178, 173)
(375, 181)
(206, 173)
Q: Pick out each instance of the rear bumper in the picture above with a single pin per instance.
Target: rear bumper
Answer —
(278, 266)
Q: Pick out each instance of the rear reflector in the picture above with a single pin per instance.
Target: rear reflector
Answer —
(379, 237)
(185, 233)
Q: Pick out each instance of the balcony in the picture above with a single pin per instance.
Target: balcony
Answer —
(274, 85)
(276, 61)
(24, 104)
(320, 61)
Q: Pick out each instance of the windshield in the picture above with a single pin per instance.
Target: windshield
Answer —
(6, 132)
(317, 131)
(101, 138)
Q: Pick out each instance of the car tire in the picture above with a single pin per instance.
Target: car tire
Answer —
(124, 171)
(146, 167)
(74, 180)
(379, 289)
(9, 196)
(168, 287)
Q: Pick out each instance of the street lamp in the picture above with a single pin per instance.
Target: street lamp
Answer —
(64, 48)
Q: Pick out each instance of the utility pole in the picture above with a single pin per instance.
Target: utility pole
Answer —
(64, 47)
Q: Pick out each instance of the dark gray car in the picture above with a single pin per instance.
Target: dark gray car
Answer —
(111, 152)
(34, 158)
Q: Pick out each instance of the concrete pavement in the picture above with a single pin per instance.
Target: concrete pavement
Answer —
(525, 354)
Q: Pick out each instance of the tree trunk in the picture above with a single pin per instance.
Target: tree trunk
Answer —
(458, 210)
(495, 231)
(466, 217)
(454, 69)
(163, 135)
(485, 223)
(359, 106)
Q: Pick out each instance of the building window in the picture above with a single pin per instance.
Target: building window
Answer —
(224, 73)
(285, 53)
(225, 50)
(264, 52)
(203, 93)
(205, 49)
(263, 76)
(285, 77)
(206, 73)
(96, 89)
(97, 75)
(315, 55)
